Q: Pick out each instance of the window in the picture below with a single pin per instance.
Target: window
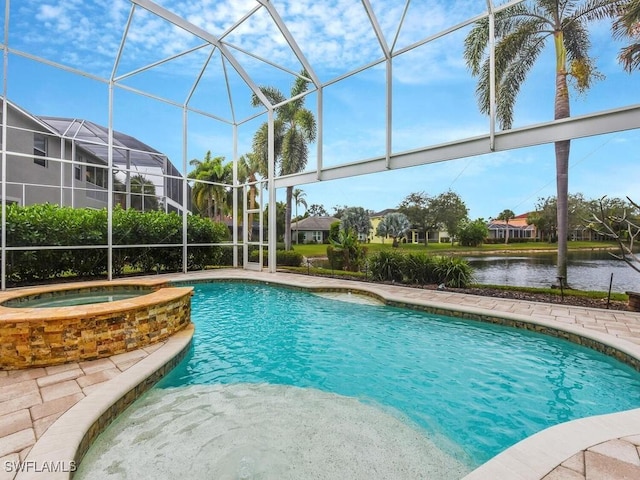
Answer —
(97, 176)
(40, 149)
(78, 172)
(317, 236)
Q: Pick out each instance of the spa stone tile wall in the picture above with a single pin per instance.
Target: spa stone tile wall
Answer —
(44, 337)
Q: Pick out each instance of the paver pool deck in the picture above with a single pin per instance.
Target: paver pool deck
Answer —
(45, 412)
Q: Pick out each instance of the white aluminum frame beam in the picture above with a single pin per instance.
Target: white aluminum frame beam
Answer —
(611, 121)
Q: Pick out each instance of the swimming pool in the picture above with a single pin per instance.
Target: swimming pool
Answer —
(474, 389)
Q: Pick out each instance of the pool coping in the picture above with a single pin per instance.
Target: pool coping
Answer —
(531, 459)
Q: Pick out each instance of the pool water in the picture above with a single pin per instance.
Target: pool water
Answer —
(483, 386)
(72, 299)
(472, 388)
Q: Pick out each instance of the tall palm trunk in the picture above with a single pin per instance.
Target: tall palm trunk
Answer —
(287, 220)
(210, 207)
(252, 205)
(562, 156)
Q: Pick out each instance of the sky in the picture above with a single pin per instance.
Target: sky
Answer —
(433, 92)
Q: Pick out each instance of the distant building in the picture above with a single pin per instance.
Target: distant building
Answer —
(64, 161)
(413, 236)
(518, 228)
(312, 229)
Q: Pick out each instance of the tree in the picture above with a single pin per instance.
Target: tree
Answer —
(209, 194)
(394, 225)
(472, 234)
(298, 196)
(294, 129)
(521, 32)
(356, 219)
(338, 210)
(623, 229)
(505, 216)
(448, 210)
(416, 207)
(613, 208)
(627, 26)
(545, 218)
(316, 210)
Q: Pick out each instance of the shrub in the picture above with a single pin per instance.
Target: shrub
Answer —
(472, 234)
(52, 225)
(346, 253)
(454, 272)
(386, 266)
(288, 258)
(418, 268)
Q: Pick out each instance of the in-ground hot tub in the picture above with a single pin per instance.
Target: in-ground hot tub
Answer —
(50, 325)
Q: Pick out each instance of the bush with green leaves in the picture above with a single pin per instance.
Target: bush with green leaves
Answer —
(454, 272)
(472, 234)
(346, 253)
(386, 266)
(419, 269)
(45, 225)
(285, 258)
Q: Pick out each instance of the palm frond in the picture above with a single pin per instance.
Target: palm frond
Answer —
(630, 57)
(295, 152)
(595, 10)
(475, 46)
(306, 122)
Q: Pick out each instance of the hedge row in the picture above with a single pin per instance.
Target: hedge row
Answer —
(51, 225)
(420, 269)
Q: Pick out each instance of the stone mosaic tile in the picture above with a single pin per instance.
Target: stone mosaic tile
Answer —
(60, 404)
(19, 389)
(59, 377)
(14, 422)
(602, 467)
(563, 473)
(59, 390)
(17, 441)
(619, 449)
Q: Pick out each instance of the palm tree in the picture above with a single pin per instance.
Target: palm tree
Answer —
(506, 215)
(294, 128)
(298, 196)
(628, 26)
(394, 225)
(249, 167)
(207, 196)
(521, 32)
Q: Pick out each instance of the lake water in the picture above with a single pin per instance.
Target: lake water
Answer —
(586, 271)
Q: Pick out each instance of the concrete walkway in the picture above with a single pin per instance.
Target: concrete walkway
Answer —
(604, 447)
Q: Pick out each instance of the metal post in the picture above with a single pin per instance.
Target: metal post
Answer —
(273, 236)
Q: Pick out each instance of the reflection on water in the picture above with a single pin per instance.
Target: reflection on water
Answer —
(586, 271)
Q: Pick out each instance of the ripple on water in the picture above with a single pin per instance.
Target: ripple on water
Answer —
(262, 431)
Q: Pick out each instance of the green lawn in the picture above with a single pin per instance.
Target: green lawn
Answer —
(312, 250)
